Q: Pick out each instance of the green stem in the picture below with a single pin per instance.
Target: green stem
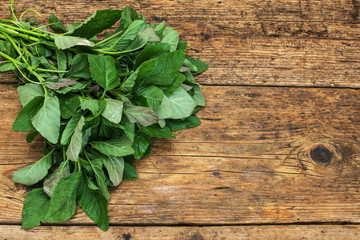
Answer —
(15, 33)
(18, 63)
(16, 47)
(50, 70)
(29, 10)
(13, 11)
(22, 30)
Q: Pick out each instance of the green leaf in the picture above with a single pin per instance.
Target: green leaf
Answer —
(171, 37)
(33, 173)
(69, 103)
(164, 110)
(156, 131)
(72, 26)
(200, 65)
(35, 207)
(166, 68)
(198, 97)
(141, 144)
(80, 66)
(96, 165)
(180, 78)
(70, 128)
(103, 71)
(181, 103)
(28, 92)
(98, 22)
(56, 25)
(65, 42)
(75, 145)
(144, 116)
(182, 45)
(47, 120)
(52, 181)
(153, 96)
(151, 51)
(63, 202)
(90, 104)
(31, 136)
(115, 168)
(123, 40)
(61, 60)
(22, 122)
(115, 147)
(179, 124)
(129, 172)
(93, 204)
(60, 83)
(128, 16)
(7, 66)
(129, 129)
(113, 110)
(75, 88)
(129, 82)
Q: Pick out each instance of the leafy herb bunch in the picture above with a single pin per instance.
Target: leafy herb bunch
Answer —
(97, 103)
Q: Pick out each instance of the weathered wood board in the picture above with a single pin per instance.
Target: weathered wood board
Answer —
(282, 43)
(241, 166)
(272, 232)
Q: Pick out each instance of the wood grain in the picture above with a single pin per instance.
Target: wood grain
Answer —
(261, 155)
(279, 43)
(274, 232)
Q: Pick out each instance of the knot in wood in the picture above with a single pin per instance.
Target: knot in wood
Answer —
(322, 154)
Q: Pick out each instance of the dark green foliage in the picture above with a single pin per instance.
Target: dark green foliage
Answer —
(97, 104)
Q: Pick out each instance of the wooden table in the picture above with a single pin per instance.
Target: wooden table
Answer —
(277, 154)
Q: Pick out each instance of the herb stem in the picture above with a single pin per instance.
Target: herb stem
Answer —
(29, 10)
(12, 10)
(22, 30)
(50, 70)
(16, 47)
(15, 33)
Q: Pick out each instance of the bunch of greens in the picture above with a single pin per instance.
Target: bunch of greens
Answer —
(96, 103)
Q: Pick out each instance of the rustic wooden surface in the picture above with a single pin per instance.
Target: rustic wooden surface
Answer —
(279, 140)
(272, 232)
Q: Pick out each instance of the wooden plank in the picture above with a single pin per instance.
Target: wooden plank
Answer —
(262, 155)
(274, 232)
(318, 47)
